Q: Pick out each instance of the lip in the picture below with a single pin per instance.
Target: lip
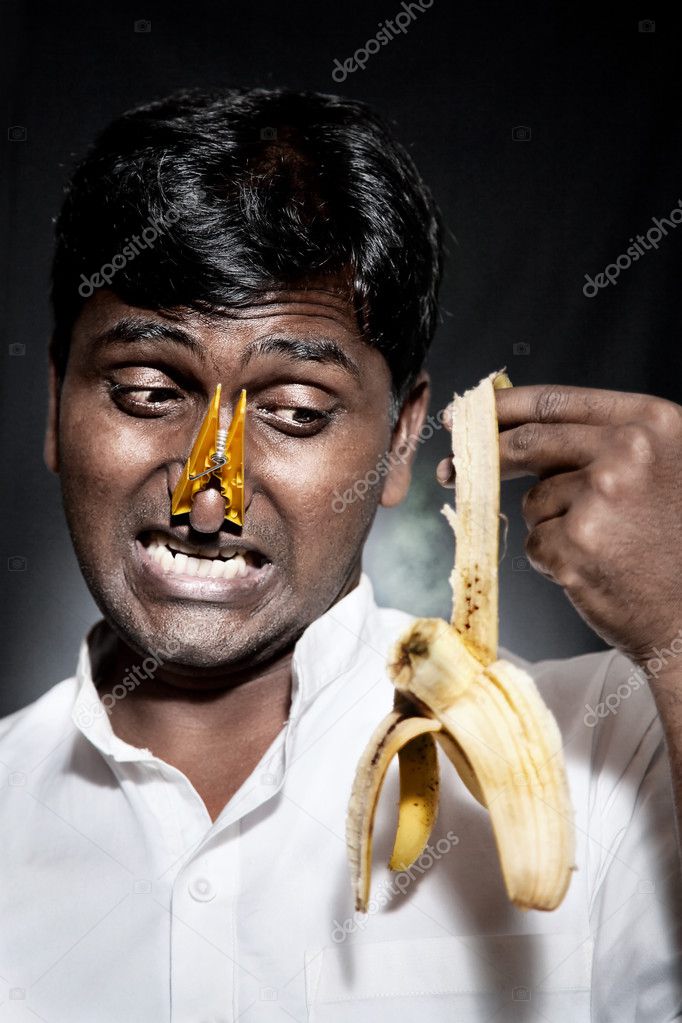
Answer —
(229, 591)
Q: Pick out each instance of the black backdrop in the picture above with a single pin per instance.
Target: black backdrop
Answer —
(550, 136)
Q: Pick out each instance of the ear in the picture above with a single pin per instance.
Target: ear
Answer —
(51, 444)
(404, 442)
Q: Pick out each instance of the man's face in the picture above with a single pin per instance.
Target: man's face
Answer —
(318, 404)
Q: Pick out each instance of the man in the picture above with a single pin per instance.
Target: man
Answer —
(177, 849)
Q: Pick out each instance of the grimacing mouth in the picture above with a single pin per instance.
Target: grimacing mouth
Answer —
(230, 558)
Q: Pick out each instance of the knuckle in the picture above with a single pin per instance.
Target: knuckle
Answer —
(550, 402)
(664, 417)
(635, 439)
(550, 562)
(523, 438)
(605, 481)
(582, 531)
(567, 577)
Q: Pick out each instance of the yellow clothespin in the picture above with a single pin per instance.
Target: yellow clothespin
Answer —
(217, 453)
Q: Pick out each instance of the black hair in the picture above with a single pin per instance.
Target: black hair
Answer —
(248, 191)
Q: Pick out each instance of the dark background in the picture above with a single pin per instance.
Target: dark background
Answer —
(526, 220)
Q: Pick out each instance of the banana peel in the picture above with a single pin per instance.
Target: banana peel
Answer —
(484, 712)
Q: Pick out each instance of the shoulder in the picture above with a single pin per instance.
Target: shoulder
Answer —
(614, 747)
(602, 693)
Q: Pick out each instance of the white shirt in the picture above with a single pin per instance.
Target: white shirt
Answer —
(121, 902)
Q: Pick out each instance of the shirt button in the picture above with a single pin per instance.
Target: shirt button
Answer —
(201, 889)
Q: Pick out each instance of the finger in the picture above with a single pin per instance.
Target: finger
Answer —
(552, 403)
(552, 497)
(541, 449)
(445, 473)
(542, 545)
(569, 549)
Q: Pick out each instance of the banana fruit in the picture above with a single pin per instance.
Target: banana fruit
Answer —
(485, 713)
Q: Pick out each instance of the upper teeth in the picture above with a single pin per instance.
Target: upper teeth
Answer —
(183, 559)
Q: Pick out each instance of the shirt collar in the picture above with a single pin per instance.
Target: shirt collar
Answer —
(328, 647)
(333, 643)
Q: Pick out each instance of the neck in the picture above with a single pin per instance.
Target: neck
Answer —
(214, 736)
(166, 704)
(213, 730)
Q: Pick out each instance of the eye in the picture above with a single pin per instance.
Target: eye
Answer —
(297, 420)
(145, 402)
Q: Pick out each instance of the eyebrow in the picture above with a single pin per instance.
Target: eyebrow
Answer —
(321, 349)
(130, 329)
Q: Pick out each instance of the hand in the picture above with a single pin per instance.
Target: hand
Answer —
(605, 520)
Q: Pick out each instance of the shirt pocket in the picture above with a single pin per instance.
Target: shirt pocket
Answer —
(523, 977)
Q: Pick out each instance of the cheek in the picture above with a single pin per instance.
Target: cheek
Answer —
(103, 462)
(302, 490)
(307, 473)
(307, 485)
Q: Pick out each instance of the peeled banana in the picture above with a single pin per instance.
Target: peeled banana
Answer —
(485, 713)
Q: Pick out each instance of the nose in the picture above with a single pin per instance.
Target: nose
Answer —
(208, 510)
(211, 485)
